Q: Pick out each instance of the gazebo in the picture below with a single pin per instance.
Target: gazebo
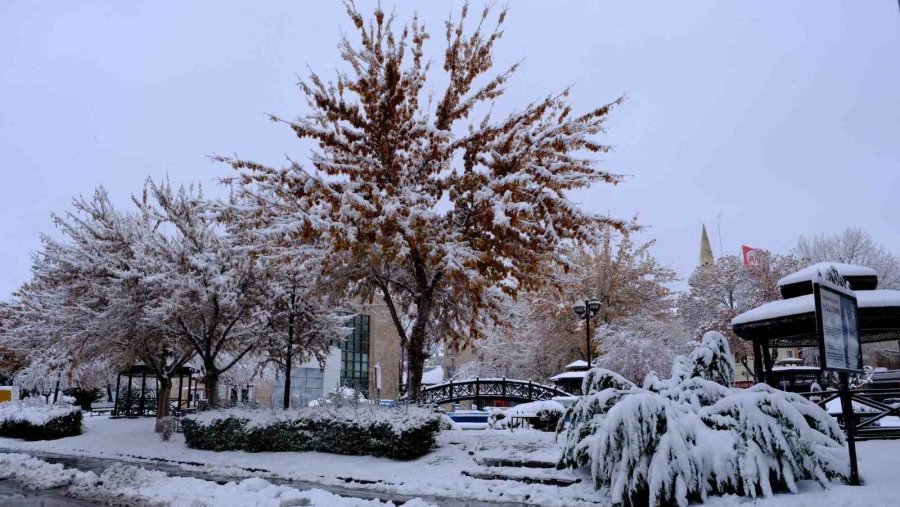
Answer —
(140, 401)
(791, 322)
(570, 379)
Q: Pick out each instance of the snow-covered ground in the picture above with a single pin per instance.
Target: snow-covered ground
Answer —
(464, 466)
(128, 484)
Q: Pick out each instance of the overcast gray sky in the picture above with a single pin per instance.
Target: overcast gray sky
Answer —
(773, 118)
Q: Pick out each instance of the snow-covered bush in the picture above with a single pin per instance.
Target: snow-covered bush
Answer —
(687, 437)
(604, 388)
(166, 427)
(543, 415)
(32, 419)
(779, 438)
(367, 429)
(340, 396)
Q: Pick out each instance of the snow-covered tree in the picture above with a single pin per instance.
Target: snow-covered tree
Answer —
(304, 321)
(209, 289)
(718, 293)
(418, 201)
(637, 345)
(851, 246)
(712, 359)
(83, 313)
(541, 334)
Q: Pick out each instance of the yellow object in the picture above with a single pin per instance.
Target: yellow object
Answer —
(5, 395)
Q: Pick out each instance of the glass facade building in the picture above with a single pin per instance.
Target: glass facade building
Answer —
(355, 355)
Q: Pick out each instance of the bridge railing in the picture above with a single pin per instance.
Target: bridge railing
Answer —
(489, 388)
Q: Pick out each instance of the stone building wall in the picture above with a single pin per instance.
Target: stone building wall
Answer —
(384, 349)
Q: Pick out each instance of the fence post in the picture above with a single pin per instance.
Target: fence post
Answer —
(530, 397)
(451, 389)
(849, 425)
(503, 388)
(477, 392)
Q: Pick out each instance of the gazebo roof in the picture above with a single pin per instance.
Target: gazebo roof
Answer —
(801, 282)
(568, 375)
(792, 322)
(578, 364)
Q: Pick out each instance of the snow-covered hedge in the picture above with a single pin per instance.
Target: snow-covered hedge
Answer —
(33, 419)
(366, 429)
(687, 437)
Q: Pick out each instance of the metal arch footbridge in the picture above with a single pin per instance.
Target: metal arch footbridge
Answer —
(489, 388)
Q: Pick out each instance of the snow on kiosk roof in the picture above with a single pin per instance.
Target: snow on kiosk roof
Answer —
(791, 322)
(578, 364)
(801, 282)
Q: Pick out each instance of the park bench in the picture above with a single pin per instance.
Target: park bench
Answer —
(521, 421)
(102, 407)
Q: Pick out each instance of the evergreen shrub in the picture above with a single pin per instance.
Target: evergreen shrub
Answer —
(36, 420)
(682, 439)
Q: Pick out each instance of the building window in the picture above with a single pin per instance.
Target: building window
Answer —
(355, 356)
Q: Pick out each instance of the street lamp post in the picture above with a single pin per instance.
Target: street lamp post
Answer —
(587, 309)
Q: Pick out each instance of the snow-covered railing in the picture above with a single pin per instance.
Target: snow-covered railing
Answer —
(875, 419)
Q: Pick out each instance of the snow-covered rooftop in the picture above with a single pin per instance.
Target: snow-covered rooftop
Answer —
(433, 376)
(568, 375)
(806, 304)
(578, 364)
(810, 273)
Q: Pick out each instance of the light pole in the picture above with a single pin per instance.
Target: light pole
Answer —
(587, 309)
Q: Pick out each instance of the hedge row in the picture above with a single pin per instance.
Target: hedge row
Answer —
(367, 430)
(56, 423)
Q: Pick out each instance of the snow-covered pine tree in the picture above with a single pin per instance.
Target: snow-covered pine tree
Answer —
(418, 202)
(712, 360)
(687, 437)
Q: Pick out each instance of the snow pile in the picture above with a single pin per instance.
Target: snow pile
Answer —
(127, 485)
(37, 474)
(544, 415)
(687, 437)
(151, 487)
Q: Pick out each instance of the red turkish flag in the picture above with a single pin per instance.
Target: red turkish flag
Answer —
(749, 255)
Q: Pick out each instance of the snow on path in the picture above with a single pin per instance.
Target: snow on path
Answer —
(437, 474)
(134, 485)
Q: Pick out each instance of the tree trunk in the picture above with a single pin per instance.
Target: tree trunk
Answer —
(288, 359)
(211, 385)
(416, 357)
(109, 397)
(163, 393)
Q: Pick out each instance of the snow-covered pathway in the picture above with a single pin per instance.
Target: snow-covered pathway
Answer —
(438, 474)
